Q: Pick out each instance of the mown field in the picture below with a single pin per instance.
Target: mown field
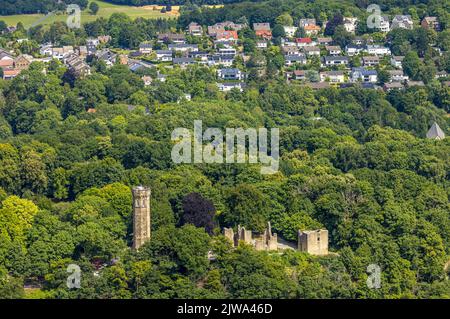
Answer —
(106, 10)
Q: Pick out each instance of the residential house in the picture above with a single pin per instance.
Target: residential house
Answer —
(332, 76)
(222, 26)
(361, 74)
(397, 76)
(378, 50)
(228, 86)
(77, 65)
(6, 59)
(262, 30)
(312, 30)
(164, 55)
(303, 42)
(371, 60)
(354, 49)
(299, 75)
(350, 24)
(224, 60)
(230, 74)
(384, 25)
(107, 56)
(183, 62)
(289, 31)
(145, 48)
(392, 86)
(402, 22)
(182, 47)
(227, 51)
(333, 49)
(82, 51)
(291, 50)
(195, 29)
(93, 41)
(312, 51)
(306, 22)
(335, 60)
(294, 59)
(22, 62)
(91, 48)
(325, 41)
(226, 35)
(200, 57)
(171, 38)
(441, 75)
(56, 53)
(396, 61)
(431, 23)
(10, 74)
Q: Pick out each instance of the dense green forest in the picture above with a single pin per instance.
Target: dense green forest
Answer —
(8, 7)
(354, 161)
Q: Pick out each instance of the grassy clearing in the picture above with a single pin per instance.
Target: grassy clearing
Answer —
(106, 10)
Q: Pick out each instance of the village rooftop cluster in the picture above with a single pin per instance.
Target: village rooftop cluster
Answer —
(312, 60)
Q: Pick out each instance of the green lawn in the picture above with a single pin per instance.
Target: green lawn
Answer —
(106, 10)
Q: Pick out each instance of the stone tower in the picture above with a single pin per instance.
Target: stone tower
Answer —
(314, 242)
(141, 216)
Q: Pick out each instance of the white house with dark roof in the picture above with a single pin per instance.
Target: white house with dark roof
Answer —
(397, 76)
(363, 75)
(335, 60)
(294, 59)
(164, 55)
(228, 74)
(376, 49)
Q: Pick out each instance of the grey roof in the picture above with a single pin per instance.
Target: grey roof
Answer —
(168, 52)
(230, 71)
(336, 58)
(295, 57)
(183, 61)
(435, 132)
(182, 45)
(364, 71)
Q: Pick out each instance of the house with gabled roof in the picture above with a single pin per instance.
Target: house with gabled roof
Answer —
(431, 23)
(361, 74)
(402, 22)
(262, 30)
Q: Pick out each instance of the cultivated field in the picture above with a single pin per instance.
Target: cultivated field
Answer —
(106, 10)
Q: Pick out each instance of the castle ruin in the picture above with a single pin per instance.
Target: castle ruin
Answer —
(314, 242)
(141, 216)
(265, 241)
